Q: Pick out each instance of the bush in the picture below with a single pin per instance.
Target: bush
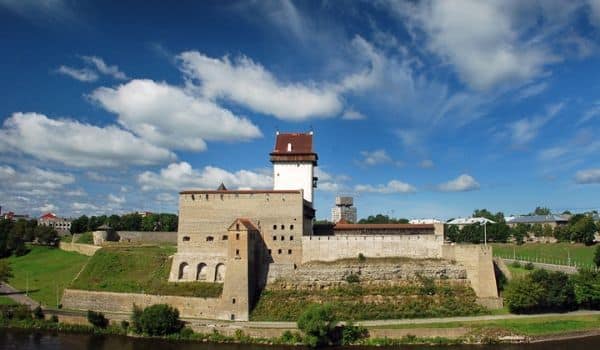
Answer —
(157, 320)
(54, 319)
(125, 324)
(361, 257)
(529, 266)
(597, 256)
(587, 289)
(317, 323)
(515, 264)
(522, 296)
(291, 338)
(352, 278)
(541, 291)
(97, 319)
(427, 286)
(15, 312)
(352, 333)
(38, 313)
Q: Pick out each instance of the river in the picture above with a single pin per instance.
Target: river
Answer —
(31, 340)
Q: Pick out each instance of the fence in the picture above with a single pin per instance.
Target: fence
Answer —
(570, 262)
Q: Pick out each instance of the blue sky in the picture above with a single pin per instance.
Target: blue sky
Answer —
(420, 109)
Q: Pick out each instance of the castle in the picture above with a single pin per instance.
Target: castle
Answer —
(248, 238)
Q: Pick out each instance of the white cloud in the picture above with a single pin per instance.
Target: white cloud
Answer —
(595, 11)
(77, 144)
(167, 116)
(462, 183)
(590, 114)
(486, 41)
(393, 186)
(35, 179)
(426, 164)
(351, 114)
(552, 153)
(179, 176)
(36, 10)
(532, 90)
(80, 207)
(330, 183)
(83, 74)
(165, 197)
(76, 193)
(375, 157)
(103, 68)
(525, 130)
(588, 176)
(47, 207)
(115, 199)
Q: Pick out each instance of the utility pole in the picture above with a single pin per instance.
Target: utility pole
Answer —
(27, 284)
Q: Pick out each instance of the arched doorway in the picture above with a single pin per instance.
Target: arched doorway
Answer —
(184, 269)
(220, 273)
(202, 272)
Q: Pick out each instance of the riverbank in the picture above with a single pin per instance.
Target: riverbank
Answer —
(511, 329)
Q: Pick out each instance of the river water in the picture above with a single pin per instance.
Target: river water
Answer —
(29, 340)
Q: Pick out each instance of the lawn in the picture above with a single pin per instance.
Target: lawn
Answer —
(47, 271)
(533, 326)
(6, 300)
(138, 270)
(557, 253)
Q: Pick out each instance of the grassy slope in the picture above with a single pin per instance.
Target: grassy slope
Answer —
(554, 251)
(136, 270)
(534, 326)
(6, 300)
(46, 268)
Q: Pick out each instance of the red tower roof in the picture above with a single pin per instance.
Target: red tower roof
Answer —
(293, 147)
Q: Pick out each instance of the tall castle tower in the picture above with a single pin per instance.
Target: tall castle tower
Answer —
(294, 162)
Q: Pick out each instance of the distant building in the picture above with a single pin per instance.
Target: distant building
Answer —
(12, 216)
(343, 210)
(424, 221)
(462, 222)
(61, 225)
(552, 220)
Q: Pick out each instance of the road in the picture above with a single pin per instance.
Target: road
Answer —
(17, 296)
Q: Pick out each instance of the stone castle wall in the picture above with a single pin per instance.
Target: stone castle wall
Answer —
(85, 249)
(478, 261)
(147, 237)
(330, 248)
(123, 303)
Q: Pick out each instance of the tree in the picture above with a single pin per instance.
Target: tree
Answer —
(597, 256)
(583, 230)
(587, 289)
(562, 233)
(46, 235)
(5, 271)
(523, 296)
(149, 222)
(317, 323)
(159, 319)
(519, 232)
(484, 213)
(97, 319)
(542, 211)
(131, 222)
(114, 221)
(80, 225)
(559, 294)
(382, 219)
(169, 222)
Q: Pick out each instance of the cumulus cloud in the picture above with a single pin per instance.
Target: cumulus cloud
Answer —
(103, 68)
(167, 116)
(77, 144)
(81, 207)
(115, 199)
(83, 74)
(329, 182)
(47, 207)
(485, 41)
(532, 90)
(393, 186)
(463, 183)
(33, 180)
(375, 157)
(351, 114)
(179, 176)
(588, 176)
(426, 164)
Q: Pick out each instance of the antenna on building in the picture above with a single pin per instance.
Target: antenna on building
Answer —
(311, 130)
(276, 130)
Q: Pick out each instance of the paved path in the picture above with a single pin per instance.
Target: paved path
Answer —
(375, 323)
(18, 296)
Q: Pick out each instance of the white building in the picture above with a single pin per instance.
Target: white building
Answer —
(343, 210)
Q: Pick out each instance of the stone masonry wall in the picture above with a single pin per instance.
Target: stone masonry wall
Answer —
(123, 302)
(478, 261)
(330, 248)
(147, 237)
(85, 249)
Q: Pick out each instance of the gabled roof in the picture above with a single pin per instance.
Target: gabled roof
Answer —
(246, 223)
(532, 219)
(48, 216)
(470, 221)
(346, 226)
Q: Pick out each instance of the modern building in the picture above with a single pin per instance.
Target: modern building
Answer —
(61, 225)
(553, 220)
(344, 210)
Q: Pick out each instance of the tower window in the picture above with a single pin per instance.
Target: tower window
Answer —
(289, 251)
(291, 227)
(237, 236)
(279, 251)
(269, 251)
(209, 238)
(186, 238)
(282, 238)
(274, 238)
(274, 227)
(283, 227)
(291, 238)
(237, 227)
(233, 300)
(225, 237)
(237, 252)
(289, 148)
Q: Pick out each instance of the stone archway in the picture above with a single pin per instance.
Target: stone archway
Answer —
(220, 273)
(184, 270)
(201, 272)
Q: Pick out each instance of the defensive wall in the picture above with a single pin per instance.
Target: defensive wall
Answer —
(135, 237)
(331, 248)
(85, 249)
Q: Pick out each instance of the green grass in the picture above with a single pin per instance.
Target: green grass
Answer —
(46, 269)
(4, 300)
(358, 302)
(534, 326)
(85, 238)
(551, 252)
(136, 270)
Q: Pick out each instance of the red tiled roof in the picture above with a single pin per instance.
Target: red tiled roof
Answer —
(301, 143)
(48, 216)
(346, 226)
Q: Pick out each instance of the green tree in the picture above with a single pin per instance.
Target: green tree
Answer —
(169, 222)
(597, 256)
(317, 323)
(114, 221)
(522, 296)
(542, 211)
(131, 222)
(159, 319)
(562, 233)
(484, 213)
(382, 219)
(587, 289)
(150, 222)
(583, 230)
(559, 294)
(95, 222)
(46, 235)
(5, 271)
(97, 319)
(519, 232)
(80, 225)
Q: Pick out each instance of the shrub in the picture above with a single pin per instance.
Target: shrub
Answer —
(597, 256)
(54, 319)
(361, 257)
(427, 286)
(97, 319)
(125, 324)
(38, 313)
(15, 312)
(352, 333)
(136, 317)
(291, 338)
(523, 296)
(317, 323)
(515, 264)
(186, 333)
(529, 266)
(157, 320)
(587, 289)
(352, 278)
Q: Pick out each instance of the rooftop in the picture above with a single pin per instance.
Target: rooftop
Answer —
(529, 219)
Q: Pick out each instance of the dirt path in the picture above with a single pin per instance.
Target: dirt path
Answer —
(17, 296)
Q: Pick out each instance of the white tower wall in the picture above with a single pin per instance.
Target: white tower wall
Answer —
(294, 176)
